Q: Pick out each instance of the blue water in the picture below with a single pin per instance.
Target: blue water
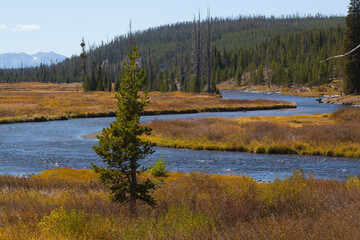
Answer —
(32, 147)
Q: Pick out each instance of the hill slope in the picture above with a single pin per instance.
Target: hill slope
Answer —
(167, 52)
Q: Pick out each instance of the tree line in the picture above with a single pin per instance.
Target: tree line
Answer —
(195, 56)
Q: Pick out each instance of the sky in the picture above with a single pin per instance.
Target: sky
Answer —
(32, 26)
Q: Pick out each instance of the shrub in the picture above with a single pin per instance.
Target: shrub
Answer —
(297, 193)
(76, 224)
(350, 114)
(353, 182)
(158, 168)
(260, 150)
(280, 150)
(64, 222)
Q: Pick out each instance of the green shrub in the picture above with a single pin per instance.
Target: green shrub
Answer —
(76, 224)
(260, 150)
(296, 193)
(353, 182)
(65, 222)
(158, 168)
(279, 150)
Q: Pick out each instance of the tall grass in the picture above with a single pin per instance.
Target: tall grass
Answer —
(60, 205)
(27, 102)
(337, 135)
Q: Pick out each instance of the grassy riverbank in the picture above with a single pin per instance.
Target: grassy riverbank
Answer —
(331, 89)
(72, 204)
(34, 102)
(344, 100)
(337, 134)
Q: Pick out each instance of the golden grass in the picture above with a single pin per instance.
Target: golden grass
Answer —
(338, 135)
(323, 90)
(22, 102)
(71, 205)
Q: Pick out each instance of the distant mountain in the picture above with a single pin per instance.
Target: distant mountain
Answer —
(18, 60)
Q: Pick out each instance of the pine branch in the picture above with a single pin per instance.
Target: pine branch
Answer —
(340, 56)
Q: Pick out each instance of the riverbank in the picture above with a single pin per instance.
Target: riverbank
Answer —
(73, 204)
(353, 100)
(337, 134)
(37, 102)
(331, 89)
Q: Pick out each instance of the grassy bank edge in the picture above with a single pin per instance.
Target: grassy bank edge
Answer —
(348, 149)
(260, 149)
(44, 118)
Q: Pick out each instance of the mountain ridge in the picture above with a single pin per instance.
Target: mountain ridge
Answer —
(21, 59)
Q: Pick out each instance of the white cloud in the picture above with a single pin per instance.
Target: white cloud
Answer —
(24, 27)
(2, 26)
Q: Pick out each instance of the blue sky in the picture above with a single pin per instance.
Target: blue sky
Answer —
(31, 26)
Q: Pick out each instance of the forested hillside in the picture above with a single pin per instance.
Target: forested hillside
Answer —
(285, 50)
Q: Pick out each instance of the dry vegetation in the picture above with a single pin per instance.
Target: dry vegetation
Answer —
(334, 135)
(23, 102)
(330, 89)
(72, 204)
(344, 100)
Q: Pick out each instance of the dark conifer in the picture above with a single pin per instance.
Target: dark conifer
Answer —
(351, 40)
(120, 146)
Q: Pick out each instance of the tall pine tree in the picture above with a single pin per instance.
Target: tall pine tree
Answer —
(351, 40)
(120, 146)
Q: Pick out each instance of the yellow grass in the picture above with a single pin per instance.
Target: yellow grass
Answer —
(325, 90)
(335, 135)
(189, 206)
(22, 102)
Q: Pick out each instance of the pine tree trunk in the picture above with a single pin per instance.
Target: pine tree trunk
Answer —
(133, 185)
(208, 51)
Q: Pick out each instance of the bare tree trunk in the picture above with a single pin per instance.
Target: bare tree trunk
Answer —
(340, 56)
(133, 185)
(109, 82)
(307, 58)
(92, 71)
(196, 58)
(208, 51)
(182, 71)
(150, 77)
(267, 72)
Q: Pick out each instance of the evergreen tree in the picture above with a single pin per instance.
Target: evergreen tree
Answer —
(120, 146)
(351, 40)
(86, 85)
(116, 85)
(99, 79)
(238, 78)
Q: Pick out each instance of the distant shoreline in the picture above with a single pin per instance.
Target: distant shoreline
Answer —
(44, 118)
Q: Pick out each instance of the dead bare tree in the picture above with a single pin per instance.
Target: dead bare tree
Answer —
(208, 51)
(307, 57)
(343, 55)
(196, 55)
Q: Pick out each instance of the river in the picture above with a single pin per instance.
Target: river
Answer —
(27, 148)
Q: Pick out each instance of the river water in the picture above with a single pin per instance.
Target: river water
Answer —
(32, 147)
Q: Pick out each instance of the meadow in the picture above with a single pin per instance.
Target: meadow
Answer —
(73, 204)
(336, 134)
(31, 102)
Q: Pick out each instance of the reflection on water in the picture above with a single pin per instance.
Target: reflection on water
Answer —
(32, 147)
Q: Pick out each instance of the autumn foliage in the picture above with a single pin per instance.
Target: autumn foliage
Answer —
(73, 204)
